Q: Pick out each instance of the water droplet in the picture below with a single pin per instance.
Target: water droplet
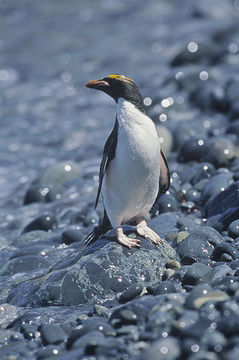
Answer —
(203, 75)
(147, 101)
(200, 142)
(192, 47)
(164, 349)
(163, 117)
(195, 348)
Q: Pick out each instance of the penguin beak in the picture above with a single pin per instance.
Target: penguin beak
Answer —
(97, 84)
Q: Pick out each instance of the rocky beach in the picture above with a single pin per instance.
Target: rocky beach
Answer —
(61, 300)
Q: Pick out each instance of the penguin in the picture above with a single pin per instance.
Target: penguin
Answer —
(133, 171)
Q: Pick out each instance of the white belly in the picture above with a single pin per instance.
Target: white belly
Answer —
(131, 182)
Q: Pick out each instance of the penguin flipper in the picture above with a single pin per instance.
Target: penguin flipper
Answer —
(98, 230)
(108, 155)
(164, 178)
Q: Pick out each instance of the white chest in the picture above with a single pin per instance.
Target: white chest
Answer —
(131, 181)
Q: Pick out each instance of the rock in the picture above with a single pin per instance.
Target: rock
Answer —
(193, 149)
(195, 274)
(233, 229)
(52, 334)
(225, 200)
(164, 223)
(131, 293)
(104, 267)
(60, 173)
(225, 248)
(24, 264)
(166, 203)
(43, 222)
(162, 349)
(216, 185)
(70, 236)
(195, 247)
(221, 152)
(203, 293)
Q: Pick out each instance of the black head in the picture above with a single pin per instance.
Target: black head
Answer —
(119, 86)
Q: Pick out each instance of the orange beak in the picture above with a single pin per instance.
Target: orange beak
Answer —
(96, 84)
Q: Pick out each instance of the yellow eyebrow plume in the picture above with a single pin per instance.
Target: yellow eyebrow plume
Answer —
(121, 78)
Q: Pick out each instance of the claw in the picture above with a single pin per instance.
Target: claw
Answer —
(125, 240)
(143, 230)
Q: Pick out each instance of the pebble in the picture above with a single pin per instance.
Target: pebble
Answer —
(131, 293)
(195, 274)
(163, 349)
(44, 222)
(233, 229)
(195, 247)
(52, 334)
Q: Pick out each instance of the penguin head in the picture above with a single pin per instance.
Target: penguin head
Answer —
(119, 86)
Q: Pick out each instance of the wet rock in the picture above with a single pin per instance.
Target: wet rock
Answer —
(195, 247)
(233, 229)
(193, 149)
(166, 203)
(60, 173)
(162, 349)
(52, 334)
(221, 152)
(216, 185)
(225, 200)
(106, 269)
(71, 236)
(24, 264)
(225, 248)
(131, 293)
(43, 222)
(193, 53)
(195, 274)
(164, 223)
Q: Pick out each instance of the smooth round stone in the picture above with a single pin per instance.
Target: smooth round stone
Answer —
(130, 293)
(166, 287)
(214, 341)
(162, 349)
(225, 248)
(43, 222)
(195, 273)
(233, 229)
(195, 247)
(216, 185)
(48, 352)
(52, 334)
(193, 149)
(197, 292)
(185, 56)
(60, 173)
(221, 152)
(228, 325)
(71, 236)
(53, 195)
(202, 172)
(192, 195)
(164, 223)
(166, 203)
(34, 195)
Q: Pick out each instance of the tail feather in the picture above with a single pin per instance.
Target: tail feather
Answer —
(98, 230)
